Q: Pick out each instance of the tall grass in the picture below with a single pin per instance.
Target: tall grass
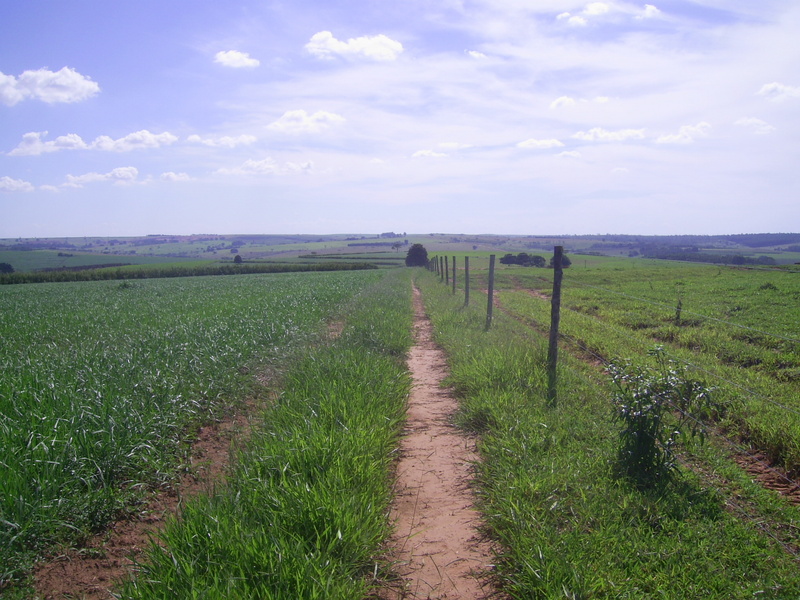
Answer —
(305, 511)
(565, 525)
(102, 382)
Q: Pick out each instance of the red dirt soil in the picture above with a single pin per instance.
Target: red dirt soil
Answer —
(437, 548)
(91, 572)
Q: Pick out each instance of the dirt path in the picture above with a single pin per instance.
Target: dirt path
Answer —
(438, 550)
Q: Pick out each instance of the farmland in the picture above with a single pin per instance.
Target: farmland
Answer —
(104, 383)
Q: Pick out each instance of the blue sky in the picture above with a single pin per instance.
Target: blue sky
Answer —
(363, 116)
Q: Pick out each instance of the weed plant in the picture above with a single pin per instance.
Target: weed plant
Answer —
(565, 525)
(752, 364)
(305, 512)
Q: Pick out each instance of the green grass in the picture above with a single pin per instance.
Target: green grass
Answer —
(103, 381)
(304, 514)
(566, 527)
(739, 328)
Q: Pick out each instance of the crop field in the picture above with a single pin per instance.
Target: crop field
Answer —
(568, 525)
(103, 383)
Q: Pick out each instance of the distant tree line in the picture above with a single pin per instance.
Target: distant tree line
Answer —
(532, 260)
(694, 255)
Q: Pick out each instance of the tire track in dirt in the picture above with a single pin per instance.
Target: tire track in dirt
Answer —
(437, 548)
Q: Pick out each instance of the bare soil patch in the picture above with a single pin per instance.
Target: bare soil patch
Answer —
(91, 571)
(437, 548)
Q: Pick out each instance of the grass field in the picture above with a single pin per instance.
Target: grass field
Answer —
(567, 526)
(103, 383)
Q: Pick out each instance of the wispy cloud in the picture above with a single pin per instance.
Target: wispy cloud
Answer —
(7, 184)
(225, 141)
(299, 121)
(32, 143)
(267, 166)
(779, 91)
(65, 85)
(598, 134)
(686, 134)
(378, 47)
(540, 144)
(757, 126)
(120, 175)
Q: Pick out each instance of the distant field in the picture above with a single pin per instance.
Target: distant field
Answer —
(33, 260)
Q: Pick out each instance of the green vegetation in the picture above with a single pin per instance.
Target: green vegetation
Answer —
(567, 526)
(304, 513)
(193, 269)
(103, 382)
(737, 328)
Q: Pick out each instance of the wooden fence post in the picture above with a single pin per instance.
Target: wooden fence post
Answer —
(555, 316)
(446, 270)
(466, 281)
(490, 306)
(454, 275)
(441, 268)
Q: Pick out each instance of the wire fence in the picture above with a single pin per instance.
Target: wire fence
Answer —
(447, 269)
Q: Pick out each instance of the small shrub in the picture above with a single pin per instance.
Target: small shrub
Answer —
(656, 407)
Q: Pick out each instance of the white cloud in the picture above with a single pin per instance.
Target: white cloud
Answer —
(649, 12)
(224, 141)
(172, 176)
(32, 143)
(134, 141)
(120, 175)
(598, 134)
(7, 184)
(540, 144)
(686, 134)
(562, 101)
(756, 126)
(428, 154)
(236, 59)
(378, 47)
(476, 54)
(66, 85)
(299, 121)
(266, 166)
(596, 8)
(454, 145)
(779, 91)
(572, 20)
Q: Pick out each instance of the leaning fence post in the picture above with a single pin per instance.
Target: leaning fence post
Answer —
(490, 306)
(466, 281)
(555, 316)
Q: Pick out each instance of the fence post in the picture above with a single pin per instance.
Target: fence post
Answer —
(555, 316)
(454, 275)
(490, 306)
(447, 270)
(441, 268)
(466, 281)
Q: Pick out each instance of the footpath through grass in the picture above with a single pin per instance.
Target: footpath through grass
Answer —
(305, 512)
(566, 526)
